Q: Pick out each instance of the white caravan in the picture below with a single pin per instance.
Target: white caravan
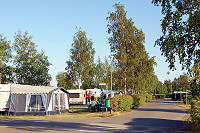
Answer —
(77, 96)
(4, 97)
(33, 100)
(92, 91)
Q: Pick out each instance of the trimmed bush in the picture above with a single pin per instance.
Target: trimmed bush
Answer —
(122, 103)
(139, 100)
(149, 97)
(195, 115)
(136, 101)
(162, 96)
(142, 99)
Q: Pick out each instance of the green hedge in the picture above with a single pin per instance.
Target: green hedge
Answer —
(195, 115)
(136, 101)
(139, 100)
(160, 96)
(122, 103)
(149, 97)
(126, 102)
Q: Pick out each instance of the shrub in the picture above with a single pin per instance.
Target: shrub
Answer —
(149, 97)
(136, 101)
(139, 100)
(195, 114)
(160, 96)
(122, 103)
(142, 99)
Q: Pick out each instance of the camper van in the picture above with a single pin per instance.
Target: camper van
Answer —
(77, 96)
(4, 97)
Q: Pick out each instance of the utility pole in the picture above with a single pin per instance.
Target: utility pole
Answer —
(0, 78)
(111, 58)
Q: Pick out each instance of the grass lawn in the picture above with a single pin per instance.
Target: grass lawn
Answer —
(182, 105)
(76, 111)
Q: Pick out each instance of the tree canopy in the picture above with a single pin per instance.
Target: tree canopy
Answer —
(21, 62)
(181, 31)
(6, 70)
(81, 62)
(133, 65)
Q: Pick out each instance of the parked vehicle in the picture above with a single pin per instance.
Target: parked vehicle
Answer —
(77, 96)
(92, 91)
(4, 97)
(19, 99)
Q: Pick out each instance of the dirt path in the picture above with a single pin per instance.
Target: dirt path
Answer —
(160, 115)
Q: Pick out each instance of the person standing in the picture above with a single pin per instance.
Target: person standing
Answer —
(88, 98)
(95, 96)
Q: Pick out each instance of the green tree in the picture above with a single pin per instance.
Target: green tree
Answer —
(195, 80)
(6, 70)
(183, 82)
(175, 84)
(40, 70)
(132, 62)
(99, 71)
(31, 67)
(64, 80)
(168, 83)
(81, 63)
(181, 31)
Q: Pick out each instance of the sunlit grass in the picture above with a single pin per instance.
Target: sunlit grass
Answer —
(182, 105)
(75, 112)
(64, 116)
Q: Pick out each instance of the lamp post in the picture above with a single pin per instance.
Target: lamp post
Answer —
(111, 58)
(0, 78)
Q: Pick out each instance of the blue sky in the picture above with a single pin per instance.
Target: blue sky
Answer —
(52, 24)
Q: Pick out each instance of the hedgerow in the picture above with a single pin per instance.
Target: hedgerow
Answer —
(195, 114)
(160, 96)
(122, 103)
(126, 102)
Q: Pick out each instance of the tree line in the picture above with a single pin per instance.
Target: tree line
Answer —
(132, 68)
(21, 63)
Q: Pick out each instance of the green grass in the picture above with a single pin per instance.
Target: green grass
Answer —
(182, 105)
(75, 112)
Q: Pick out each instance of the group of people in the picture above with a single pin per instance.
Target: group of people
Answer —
(94, 97)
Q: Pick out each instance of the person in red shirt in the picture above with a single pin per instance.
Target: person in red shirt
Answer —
(88, 98)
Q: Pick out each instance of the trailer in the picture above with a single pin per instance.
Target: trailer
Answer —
(4, 97)
(77, 96)
(19, 99)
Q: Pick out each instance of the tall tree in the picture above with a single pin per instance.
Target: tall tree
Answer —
(6, 72)
(183, 82)
(31, 67)
(81, 63)
(127, 46)
(168, 83)
(99, 71)
(181, 31)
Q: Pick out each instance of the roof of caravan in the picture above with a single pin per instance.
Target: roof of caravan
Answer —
(16, 88)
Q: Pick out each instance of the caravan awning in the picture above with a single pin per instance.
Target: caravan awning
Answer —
(17, 88)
